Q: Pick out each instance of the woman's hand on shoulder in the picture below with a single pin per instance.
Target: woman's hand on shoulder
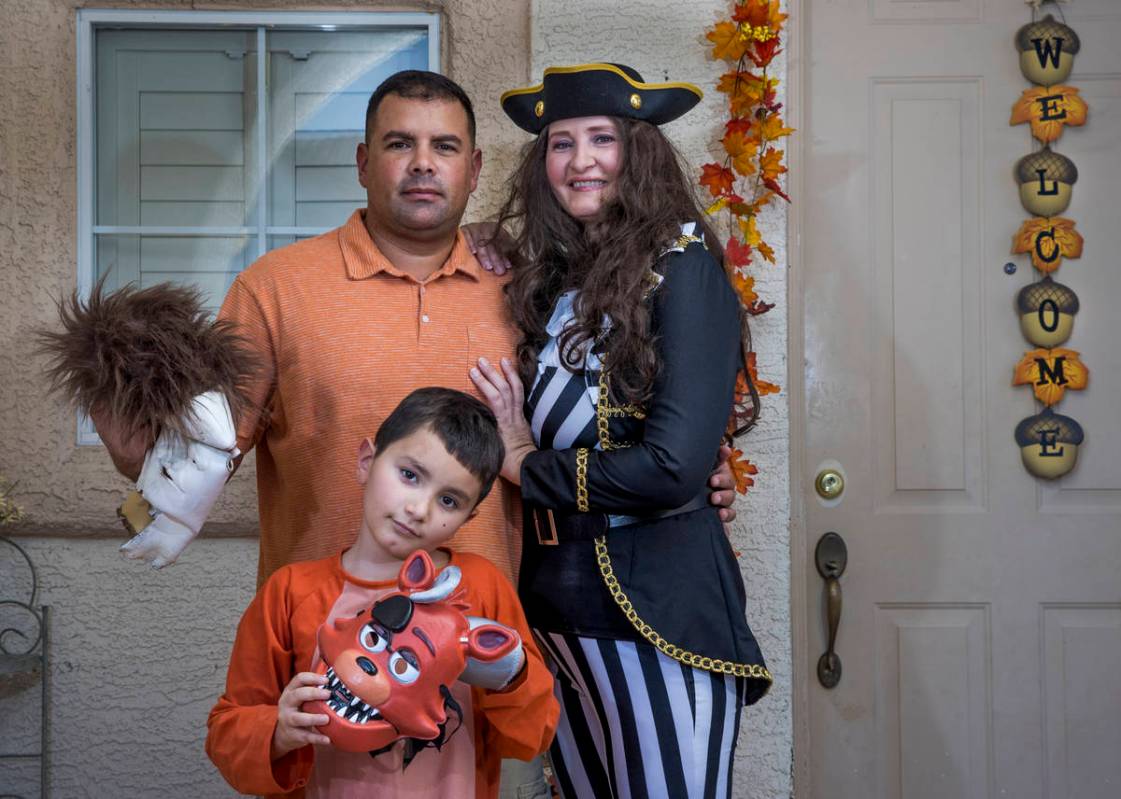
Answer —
(504, 393)
(489, 243)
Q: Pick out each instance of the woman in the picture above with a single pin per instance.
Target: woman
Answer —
(631, 345)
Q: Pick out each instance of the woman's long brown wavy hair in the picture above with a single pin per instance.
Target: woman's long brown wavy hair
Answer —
(609, 261)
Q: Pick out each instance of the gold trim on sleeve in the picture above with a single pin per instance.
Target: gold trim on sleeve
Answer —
(582, 480)
(603, 559)
(605, 410)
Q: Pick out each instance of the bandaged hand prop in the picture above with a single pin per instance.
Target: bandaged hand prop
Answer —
(390, 668)
(179, 483)
(154, 363)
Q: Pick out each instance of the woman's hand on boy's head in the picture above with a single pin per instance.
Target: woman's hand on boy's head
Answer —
(504, 393)
(294, 728)
(723, 485)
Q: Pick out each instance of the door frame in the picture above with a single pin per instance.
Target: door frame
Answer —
(800, 584)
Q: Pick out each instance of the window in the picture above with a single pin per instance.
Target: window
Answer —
(196, 155)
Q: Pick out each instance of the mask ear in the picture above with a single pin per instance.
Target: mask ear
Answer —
(417, 572)
(489, 642)
(442, 587)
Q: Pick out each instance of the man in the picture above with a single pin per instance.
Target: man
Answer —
(392, 301)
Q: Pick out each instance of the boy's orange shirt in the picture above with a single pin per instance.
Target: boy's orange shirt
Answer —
(277, 638)
(343, 336)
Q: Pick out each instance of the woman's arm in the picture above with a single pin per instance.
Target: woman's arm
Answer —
(696, 321)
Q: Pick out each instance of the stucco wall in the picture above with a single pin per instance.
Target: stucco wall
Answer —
(664, 39)
(138, 657)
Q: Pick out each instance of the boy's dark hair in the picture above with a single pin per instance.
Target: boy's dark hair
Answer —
(466, 427)
(415, 84)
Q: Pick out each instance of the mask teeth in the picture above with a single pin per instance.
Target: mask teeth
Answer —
(345, 704)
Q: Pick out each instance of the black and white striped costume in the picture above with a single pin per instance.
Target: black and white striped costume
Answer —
(627, 577)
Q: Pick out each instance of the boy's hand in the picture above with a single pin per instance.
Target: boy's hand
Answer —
(294, 728)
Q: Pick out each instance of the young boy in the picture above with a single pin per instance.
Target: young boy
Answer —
(430, 464)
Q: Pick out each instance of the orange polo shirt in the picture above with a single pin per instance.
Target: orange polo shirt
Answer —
(343, 336)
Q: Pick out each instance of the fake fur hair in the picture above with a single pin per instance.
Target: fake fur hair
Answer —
(141, 355)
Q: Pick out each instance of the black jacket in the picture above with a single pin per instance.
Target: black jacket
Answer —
(671, 580)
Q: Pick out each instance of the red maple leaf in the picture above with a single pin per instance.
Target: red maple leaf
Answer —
(773, 185)
(717, 179)
(736, 254)
(764, 52)
(737, 125)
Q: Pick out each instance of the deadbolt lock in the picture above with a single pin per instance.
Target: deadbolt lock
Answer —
(829, 484)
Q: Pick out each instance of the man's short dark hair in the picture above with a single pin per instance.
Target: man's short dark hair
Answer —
(415, 84)
(466, 427)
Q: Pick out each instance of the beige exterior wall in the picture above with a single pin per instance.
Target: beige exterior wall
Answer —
(139, 656)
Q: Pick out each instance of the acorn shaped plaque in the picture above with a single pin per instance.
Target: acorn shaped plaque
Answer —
(1047, 312)
(1049, 443)
(1046, 181)
(1047, 49)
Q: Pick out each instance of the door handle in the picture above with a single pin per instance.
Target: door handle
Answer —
(831, 556)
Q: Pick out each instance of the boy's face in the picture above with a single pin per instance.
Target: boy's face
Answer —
(417, 494)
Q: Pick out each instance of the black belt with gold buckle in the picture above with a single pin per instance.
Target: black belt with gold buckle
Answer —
(552, 525)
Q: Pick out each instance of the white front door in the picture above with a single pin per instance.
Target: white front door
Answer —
(980, 636)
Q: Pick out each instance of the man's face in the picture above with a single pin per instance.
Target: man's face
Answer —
(419, 166)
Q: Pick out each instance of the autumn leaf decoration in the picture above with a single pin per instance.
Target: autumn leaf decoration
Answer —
(742, 470)
(1049, 240)
(1048, 109)
(1050, 373)
(749, 177)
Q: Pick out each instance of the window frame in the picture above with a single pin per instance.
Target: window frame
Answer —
(89, 21)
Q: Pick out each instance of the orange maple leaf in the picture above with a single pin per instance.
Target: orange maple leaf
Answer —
(717, 179)
(742, 469)
(745, 90)
(762, 386)
(773, 128)
(770, 164)
(727, 43)
(1048, 109)
(744, 286)
(760, 13)
(742, 150)
(1049, 240)
(1050, 373)
(765, 250)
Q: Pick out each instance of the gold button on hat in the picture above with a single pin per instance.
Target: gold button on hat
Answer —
(539, 109)
(636, 101)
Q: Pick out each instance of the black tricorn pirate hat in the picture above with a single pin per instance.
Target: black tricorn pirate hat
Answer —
(590, 90)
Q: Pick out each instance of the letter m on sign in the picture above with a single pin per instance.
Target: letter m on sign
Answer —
(1051, 374)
